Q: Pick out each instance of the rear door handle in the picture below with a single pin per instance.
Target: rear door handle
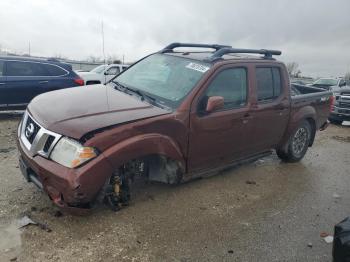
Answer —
(279, 107)
(43, 82)
(246, 118)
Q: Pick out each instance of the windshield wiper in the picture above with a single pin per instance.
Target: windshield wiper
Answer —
(119, 86)
(141, 94)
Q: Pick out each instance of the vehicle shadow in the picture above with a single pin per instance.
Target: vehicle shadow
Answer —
(10, 114)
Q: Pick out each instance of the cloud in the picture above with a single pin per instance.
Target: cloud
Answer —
(313, 33)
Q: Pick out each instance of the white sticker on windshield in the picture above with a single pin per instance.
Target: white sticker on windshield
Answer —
(198, 67)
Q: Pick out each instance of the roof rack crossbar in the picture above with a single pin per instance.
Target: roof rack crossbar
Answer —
(267, 53)
(170, 48)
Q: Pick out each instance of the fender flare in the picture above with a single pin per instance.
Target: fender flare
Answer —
(304, 113)
(144, 145)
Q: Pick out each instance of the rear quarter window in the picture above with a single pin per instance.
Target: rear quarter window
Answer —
(268, 81)
(54, 70)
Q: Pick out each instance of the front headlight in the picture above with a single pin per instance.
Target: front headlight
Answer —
(71, 153)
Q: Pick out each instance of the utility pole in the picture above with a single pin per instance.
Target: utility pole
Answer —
(123, 59)
(29, 48)
(103, 43)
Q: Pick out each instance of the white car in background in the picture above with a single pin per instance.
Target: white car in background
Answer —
(101, 74)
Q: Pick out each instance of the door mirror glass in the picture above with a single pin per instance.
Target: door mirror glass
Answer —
(215, 103)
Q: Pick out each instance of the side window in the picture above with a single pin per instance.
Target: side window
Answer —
(113, 71)
(53, 70)
(1, 68)
(16, 68)
(231, 84)
(342, 83)
(268, 80)
(38, 69)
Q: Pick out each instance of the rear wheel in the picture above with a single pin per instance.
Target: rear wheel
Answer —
(298, 144)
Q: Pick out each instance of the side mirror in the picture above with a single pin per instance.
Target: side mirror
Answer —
(214, 103)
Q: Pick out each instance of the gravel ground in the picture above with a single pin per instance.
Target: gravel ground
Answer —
(264, 211)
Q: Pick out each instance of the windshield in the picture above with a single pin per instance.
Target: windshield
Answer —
(326, 82)
(166, 78)
(99, 69)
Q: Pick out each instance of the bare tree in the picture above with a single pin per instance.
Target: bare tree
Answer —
(113, 59)
(293, 69)
(94, 59)
(59, 56)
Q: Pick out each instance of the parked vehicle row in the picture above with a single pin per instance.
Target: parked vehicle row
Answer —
(170, 117)
(341, 110)
(102, 74)
(329, 83)
(23, 78)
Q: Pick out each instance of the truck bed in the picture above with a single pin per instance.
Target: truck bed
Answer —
(306, 96)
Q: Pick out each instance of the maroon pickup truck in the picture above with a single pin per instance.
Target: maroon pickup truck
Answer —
(172, 116)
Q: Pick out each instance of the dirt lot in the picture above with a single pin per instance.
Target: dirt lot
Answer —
(264, 211)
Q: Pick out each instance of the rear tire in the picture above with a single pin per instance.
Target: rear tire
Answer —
(336, 122)
(298, 144)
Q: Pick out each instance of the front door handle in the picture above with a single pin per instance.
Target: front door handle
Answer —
(43, 82)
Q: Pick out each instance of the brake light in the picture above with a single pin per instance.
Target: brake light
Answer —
(331, 103)
(79, 81)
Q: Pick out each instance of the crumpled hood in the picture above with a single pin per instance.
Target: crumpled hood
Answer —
(76, 111)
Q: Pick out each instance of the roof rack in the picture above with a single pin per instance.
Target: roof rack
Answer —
(223, 51)
(170, 48)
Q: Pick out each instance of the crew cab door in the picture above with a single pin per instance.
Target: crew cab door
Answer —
(222, 135)
(25, 80)
(271, 107)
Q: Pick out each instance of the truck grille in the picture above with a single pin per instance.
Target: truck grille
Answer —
(48, 143)
(31, 130)
(35, 138)
(343, 111)
(344, 105)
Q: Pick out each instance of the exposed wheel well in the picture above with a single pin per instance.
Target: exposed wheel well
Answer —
(158, 168)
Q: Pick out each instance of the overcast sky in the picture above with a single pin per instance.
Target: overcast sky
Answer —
(313, 33)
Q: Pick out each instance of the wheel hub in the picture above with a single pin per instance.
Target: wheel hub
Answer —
(299, 140)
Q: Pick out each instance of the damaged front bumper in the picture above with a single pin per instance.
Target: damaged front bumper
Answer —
(70, 189)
